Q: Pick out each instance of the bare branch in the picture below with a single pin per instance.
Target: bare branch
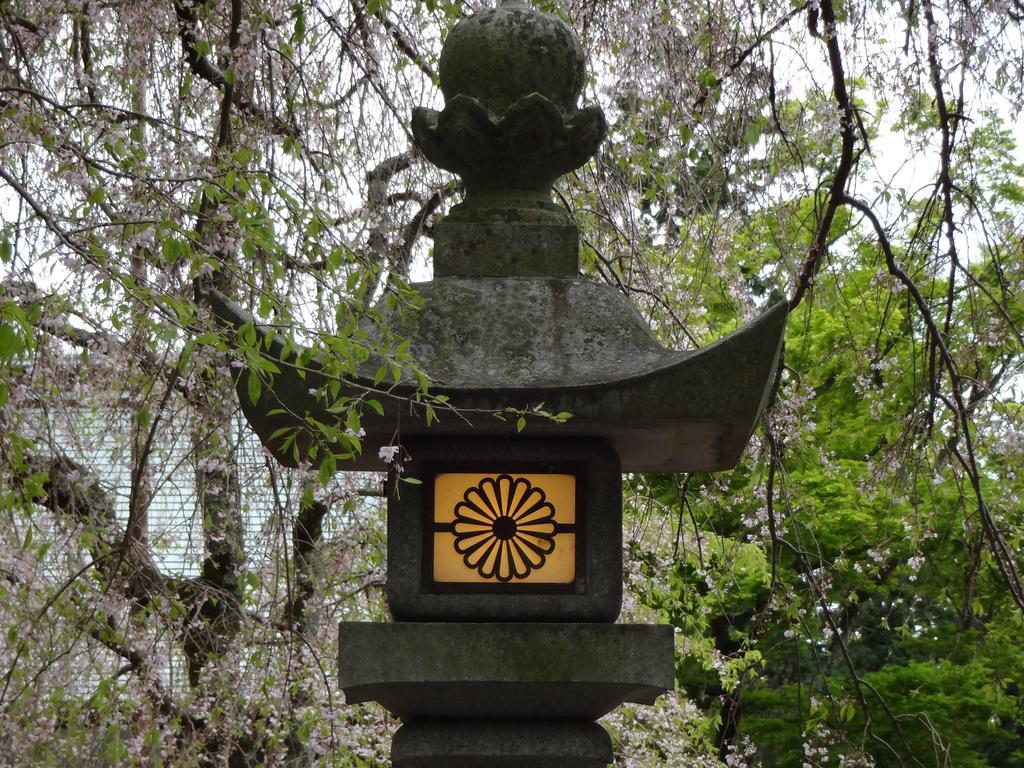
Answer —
(841, 175)
(1004, 557)
(72, 493)
(198, 63)
(306, 533)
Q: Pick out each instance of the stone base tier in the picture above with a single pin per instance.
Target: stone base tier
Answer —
(505, 249)
(508, 744)
(504, 671)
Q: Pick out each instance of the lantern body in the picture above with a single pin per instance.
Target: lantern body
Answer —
(505, 552)
(505, 530)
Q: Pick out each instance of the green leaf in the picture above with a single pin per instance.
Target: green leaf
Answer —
(327, 469)
(847, 711)
(143, 417)
(352, 421)
(96, 196)
(10, 342)
(752, 134)
(707, 78)
(352, 280)
(299, 16)
(254, 387)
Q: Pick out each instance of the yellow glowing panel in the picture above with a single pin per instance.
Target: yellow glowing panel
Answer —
(499, 528)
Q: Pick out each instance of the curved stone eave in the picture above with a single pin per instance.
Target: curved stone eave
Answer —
(739, 355)
(693, 414)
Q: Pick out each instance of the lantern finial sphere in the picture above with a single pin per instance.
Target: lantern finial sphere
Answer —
(502, 54)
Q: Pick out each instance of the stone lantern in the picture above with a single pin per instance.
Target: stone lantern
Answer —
(504, 573)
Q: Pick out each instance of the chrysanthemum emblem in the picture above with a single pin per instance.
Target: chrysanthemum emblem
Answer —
(504, 528)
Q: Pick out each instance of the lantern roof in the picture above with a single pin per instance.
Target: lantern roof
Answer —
(508, 322)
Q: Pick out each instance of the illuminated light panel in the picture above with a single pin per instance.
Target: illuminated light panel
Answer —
(504, 528)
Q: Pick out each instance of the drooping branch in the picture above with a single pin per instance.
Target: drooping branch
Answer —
(84, 41)
(203, 66)
(737, 61)
(416, 226)
(370, 73)
(1003, 556)
(810, 564)
(847, 122)
(117, 114)
(106, 633)
(199, 63)
(234, 39)
(403, 43)
(215, 597)
(306, 534)
(947, 127)
(379, 178)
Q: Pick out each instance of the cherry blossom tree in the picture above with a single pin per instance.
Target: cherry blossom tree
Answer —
(851, 595)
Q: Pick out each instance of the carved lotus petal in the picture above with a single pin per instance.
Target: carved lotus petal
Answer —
(529, 146)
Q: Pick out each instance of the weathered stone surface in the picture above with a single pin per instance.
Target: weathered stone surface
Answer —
(597, 593)
(504, 670)
(500, 54)
(518, 333)
(523, 744)
(499, 248)
(526, 148)
(574, 345)
(511, 78)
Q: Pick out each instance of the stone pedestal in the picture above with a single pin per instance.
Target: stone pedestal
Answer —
(512, 744)
(503, 695)
(504, 670)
